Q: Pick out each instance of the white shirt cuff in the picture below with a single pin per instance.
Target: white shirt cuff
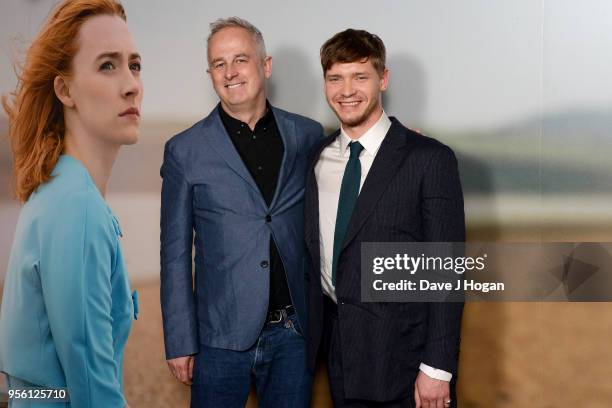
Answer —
(435, 373)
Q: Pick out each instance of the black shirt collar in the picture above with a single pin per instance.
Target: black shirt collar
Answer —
(231, 124)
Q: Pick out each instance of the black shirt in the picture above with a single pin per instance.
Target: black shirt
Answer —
(262, 151)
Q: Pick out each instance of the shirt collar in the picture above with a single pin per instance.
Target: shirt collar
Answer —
(371, 139)
(232, 123)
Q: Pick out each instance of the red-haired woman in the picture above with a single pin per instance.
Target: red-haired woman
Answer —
(67, 307)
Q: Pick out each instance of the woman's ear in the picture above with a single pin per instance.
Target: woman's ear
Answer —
(62, 91)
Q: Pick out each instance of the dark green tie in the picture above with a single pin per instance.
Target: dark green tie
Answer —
(349, 191)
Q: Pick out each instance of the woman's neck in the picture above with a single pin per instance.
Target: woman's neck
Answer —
(97, 157)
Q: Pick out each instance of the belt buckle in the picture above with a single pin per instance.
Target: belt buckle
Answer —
(276, 316)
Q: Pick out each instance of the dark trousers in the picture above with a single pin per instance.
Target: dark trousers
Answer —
(333, 348)
(276, 363)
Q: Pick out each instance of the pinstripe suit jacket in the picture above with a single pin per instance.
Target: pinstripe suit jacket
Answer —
(412, 194)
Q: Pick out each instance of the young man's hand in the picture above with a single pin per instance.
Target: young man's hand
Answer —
(431, 393)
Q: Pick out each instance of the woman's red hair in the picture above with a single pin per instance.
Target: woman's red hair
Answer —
(36, 116)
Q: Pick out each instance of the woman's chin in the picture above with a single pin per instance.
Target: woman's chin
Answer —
(130, 138)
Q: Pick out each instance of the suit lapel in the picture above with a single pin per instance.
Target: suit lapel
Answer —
(287, 130)
(388, 159)
(220, 141)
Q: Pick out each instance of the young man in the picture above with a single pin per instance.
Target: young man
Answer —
(235, 180)
(374, 180)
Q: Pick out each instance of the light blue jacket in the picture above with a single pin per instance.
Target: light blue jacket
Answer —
(67, 308)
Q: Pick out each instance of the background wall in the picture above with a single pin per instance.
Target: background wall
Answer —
(519, 89)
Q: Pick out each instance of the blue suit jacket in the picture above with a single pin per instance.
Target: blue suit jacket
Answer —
(208, 192)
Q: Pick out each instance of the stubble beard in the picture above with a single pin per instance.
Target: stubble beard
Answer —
(361, 119)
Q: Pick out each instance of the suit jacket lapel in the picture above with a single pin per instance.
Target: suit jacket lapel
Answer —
(220, 141)
(287, 130)
(389, 157)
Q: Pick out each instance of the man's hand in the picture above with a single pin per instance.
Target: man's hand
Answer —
(430, 393)
(182, 368)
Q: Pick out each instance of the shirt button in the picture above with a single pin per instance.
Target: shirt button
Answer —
(238, 132)
(264, 264)
(254, 137)
(259, 168)
(268, 218)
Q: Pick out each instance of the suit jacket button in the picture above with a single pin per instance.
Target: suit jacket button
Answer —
(268, 218)
(264, 264)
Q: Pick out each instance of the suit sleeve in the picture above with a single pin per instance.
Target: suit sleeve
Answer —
(317, 140)
(75, 268)
(443, 221)
(176, 224)
(319, 135)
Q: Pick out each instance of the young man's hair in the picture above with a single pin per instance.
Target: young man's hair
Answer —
(353, 46)
(237, 22)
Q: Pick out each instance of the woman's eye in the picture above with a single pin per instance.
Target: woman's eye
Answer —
(136, 66)
(107, 66)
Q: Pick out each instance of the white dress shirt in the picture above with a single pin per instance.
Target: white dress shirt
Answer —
(329, 171)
